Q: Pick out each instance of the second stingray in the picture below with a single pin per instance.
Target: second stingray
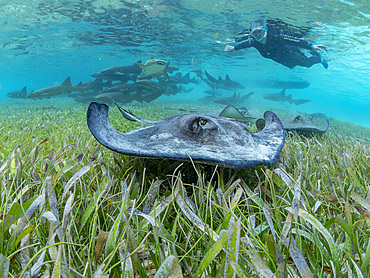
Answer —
(303, 126)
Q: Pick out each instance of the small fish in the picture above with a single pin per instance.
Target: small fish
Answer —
(153, 67)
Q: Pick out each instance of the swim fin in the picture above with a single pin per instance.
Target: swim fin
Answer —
(324, 63)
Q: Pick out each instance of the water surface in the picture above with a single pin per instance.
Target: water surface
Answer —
(43, 42)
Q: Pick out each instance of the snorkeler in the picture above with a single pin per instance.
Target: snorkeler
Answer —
(282, 48)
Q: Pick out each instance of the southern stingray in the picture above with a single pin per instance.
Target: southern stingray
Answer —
(231, 111)
(201, 137)
(303, 126)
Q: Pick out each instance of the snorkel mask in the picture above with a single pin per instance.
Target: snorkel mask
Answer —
(259, 34)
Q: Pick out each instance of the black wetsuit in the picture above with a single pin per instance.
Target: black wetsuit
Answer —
(283, 49)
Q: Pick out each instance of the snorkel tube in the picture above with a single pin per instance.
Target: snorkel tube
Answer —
(264, 36)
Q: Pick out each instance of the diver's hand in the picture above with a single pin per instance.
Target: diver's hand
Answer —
(319, 47)
(229, 48)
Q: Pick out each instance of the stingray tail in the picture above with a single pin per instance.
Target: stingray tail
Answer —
(131, 117)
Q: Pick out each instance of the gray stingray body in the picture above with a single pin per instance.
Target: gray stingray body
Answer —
(201, 137)
(304, 125)
(231, 111)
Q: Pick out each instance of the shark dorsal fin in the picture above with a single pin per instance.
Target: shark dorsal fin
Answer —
(227, 77)
(24, 90)
(283, 92)
(67, 82)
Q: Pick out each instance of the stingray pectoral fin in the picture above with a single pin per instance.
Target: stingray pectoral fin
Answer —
(99, 125)
(101, 128)
(271, 139)
(231, 111)
(324, 127)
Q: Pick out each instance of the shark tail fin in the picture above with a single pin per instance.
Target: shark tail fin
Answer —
(245, 97)
(295, 102)
(289, 99)
(210, 78)
(142, 66)
(165, 74)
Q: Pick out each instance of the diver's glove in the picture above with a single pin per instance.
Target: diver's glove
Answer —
(319, 47)
(229, 48)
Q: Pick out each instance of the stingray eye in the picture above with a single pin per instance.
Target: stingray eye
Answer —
(202, 121)
(201, 124)
(161, 63)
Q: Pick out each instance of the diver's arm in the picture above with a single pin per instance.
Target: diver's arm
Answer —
(246, 38)
(242, 45)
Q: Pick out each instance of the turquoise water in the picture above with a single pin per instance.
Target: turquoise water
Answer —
(44, 42)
